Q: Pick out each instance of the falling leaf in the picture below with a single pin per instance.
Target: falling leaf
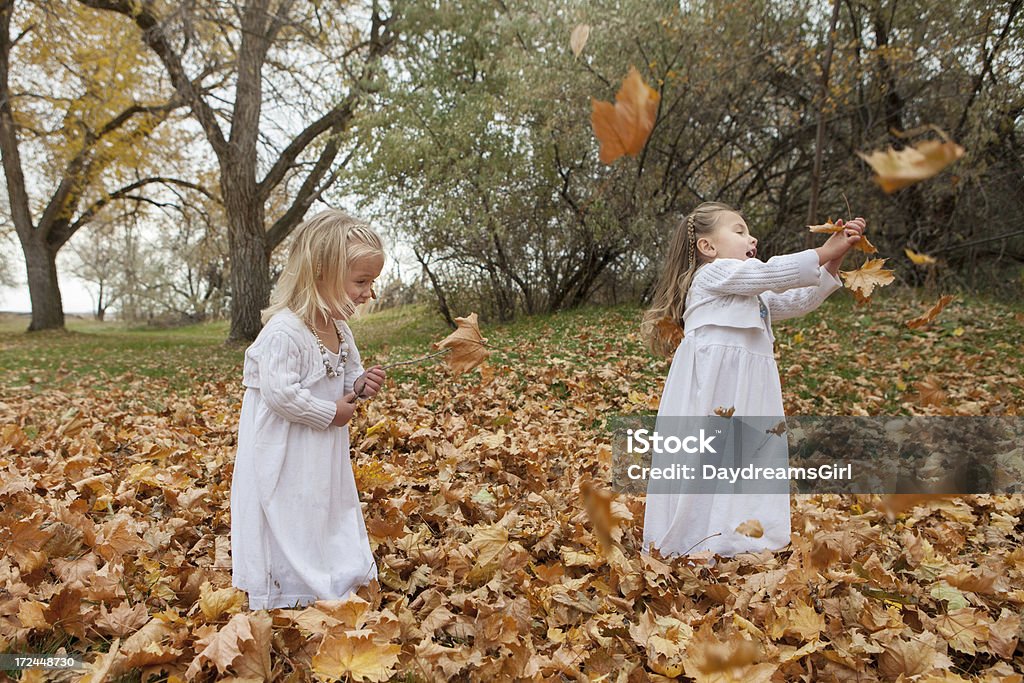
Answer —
(666, 337)
(623, 128)
(725, 412)
(355, 654)
(926, 318)
(467, 348)
(898, 169)
(752, 528)
(578, 39)
(920, 259)
(864, 280)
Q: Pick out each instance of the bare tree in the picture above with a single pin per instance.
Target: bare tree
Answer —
(255, 40)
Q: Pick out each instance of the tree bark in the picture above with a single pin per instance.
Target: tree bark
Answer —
(41, 268)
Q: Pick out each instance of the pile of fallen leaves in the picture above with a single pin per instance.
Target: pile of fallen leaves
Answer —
(501, 552)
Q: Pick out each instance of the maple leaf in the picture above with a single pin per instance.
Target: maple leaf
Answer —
(926, 318)
(243, 644)
(752, 528)
(623, 128)
(930, 392)
(354, 653)
(920, 259)
(123, 619)
(870, 275)
(898, 169)
(827, 227)
(578, 39)
(467, 349)
(964, 629)
(214, 603)
(725, 412)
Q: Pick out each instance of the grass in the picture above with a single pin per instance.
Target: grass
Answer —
(843, 347)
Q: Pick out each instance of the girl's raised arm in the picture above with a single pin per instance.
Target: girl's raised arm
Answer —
(751, 277)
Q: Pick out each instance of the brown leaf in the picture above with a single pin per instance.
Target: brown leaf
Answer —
(926, 318)
(733, 659)
(870, 275)
(123, 619)
(898, 169)
(963, 629)
(214, 603)
(356, 654)
(930, 392)
(667, 336)
(752, 528)
(578, 39)
(623, 128)
(243, 644)
(467, 348)
(864, 245)
(828, 227)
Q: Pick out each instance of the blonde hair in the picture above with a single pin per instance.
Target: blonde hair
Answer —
(681, 263)
(323, 248)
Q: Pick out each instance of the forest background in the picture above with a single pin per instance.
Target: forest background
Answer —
(164, 154)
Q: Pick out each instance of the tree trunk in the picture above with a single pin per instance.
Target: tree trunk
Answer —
(819, 137)
(250, 262)
(41, 266)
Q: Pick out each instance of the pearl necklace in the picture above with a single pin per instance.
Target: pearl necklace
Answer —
(338, 370)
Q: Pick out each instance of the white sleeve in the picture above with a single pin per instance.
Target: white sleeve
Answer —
(752, 277)
(354, 366)
(796, 302)
(280, 385)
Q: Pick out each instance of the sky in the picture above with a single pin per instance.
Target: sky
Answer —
(73, 291)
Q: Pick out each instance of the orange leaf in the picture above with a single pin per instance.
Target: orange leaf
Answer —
(667, 336)
(827, 227)
(864, 245)
(864, 280)
(623, 128)
(926, 318)
(898, 169)
(468, 348)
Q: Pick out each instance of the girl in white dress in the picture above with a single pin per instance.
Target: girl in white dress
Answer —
(725, 299)
(297, 529)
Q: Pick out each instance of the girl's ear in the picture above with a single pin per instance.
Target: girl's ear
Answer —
(705, 247)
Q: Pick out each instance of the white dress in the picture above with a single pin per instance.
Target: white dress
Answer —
(732, 365)
(297, 528)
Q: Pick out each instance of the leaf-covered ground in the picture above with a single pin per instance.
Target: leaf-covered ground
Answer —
(484, 497)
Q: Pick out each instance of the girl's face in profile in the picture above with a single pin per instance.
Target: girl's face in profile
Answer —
(730, 239)
(362, 273)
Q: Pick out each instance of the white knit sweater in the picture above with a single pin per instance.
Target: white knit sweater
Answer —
(284, 360)
(729, 292)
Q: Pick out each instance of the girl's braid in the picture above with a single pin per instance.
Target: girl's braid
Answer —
(691, 240)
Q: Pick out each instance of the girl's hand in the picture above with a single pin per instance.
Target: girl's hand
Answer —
(346, 407)
(370, 382)
(832, 252)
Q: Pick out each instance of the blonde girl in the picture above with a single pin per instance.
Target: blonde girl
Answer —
(725, 298)
(297, 529)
